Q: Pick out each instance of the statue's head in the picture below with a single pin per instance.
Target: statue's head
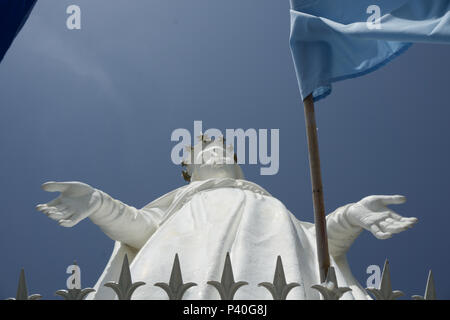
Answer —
(211, 159)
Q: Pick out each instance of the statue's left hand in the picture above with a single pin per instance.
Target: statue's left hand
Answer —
(372, 214)
(76, 202)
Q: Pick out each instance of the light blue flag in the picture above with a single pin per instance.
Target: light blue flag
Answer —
(333, 40)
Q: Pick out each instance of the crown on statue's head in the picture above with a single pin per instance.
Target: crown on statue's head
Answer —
(207, 152)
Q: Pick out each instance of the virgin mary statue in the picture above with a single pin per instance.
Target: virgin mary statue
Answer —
(220, 212)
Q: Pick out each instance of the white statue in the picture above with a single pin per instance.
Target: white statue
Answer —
(216, 213)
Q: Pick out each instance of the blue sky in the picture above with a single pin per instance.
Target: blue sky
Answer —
(99, 104)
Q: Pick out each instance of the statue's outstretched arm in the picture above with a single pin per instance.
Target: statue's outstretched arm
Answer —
(117, 220)
(371, 213)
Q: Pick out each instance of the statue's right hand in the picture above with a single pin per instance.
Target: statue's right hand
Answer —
(76, 202)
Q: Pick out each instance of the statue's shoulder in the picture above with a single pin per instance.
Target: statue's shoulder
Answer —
(166, 200)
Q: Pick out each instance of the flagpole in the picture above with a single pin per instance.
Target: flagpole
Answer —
(317, 189)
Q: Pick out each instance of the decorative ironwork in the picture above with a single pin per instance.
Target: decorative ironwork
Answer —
(125, 288)
(385, 291)
(430, 291)
(74, 293)
(330, 289)
(22, 291)
(175, 289)
(227, 287)
(279, 288)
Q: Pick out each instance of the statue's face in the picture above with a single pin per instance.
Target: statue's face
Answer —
(214, 155)
(213, 160)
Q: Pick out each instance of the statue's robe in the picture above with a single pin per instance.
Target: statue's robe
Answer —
(203, 221)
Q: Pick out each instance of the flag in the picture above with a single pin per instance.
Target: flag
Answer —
(333, 40)
(13, 15)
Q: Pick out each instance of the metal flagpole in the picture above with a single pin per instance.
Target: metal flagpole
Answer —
(317, 189)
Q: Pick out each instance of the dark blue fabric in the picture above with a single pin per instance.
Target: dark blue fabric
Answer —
(13, 15)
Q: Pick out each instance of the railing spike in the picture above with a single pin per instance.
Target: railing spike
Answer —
(279, 288)
(330, 289)
(22, 291)
(227, 287)
(385, 291)
(430, 291)
(74, 294)
(125, 288)
(175, 289)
